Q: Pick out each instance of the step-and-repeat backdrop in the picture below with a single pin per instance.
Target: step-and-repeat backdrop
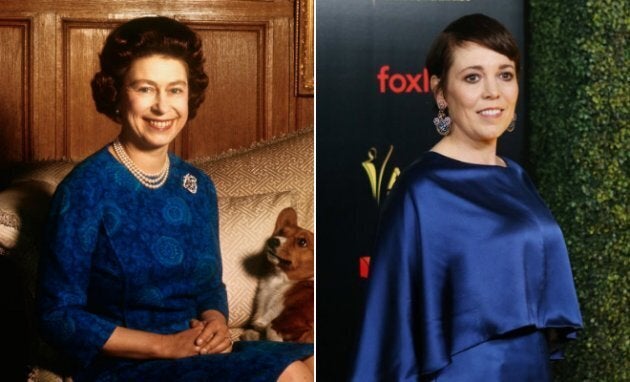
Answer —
(374, 113)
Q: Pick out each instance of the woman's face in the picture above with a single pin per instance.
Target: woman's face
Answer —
(481, 93)
(154, 107)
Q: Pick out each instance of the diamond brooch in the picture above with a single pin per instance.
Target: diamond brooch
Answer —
(190, 183)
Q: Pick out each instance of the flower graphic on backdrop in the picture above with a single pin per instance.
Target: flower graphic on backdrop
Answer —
(377, 180)
(376, 185)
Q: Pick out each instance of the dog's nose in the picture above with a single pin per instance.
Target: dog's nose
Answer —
(273, 242)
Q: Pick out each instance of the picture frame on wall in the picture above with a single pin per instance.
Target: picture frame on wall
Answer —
(305, 47)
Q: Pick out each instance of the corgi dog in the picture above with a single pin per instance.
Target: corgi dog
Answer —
(285, 297)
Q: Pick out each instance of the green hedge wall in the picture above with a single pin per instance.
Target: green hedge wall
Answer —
(579, 102)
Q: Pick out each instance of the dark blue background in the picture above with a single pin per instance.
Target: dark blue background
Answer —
(354, 38)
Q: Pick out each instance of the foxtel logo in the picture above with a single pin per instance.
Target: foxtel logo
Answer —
(402, 82)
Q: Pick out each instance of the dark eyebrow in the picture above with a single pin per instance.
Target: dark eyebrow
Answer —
(480, 68)
(180, 82)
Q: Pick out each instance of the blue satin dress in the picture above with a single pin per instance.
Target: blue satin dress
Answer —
(120, 254)
(470, 270)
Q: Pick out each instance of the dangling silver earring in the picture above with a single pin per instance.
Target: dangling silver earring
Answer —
(442, 122)
(512, 124)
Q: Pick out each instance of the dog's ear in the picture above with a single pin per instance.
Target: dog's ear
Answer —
(286, 218)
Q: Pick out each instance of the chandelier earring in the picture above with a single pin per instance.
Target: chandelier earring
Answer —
(512, 124)
(442, 122)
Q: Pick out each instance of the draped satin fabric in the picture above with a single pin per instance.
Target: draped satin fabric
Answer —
(465, 253)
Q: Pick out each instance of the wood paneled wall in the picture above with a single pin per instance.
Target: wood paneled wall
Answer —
(49, 53)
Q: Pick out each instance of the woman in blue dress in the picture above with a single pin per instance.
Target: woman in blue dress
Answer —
(130, 284)
(470, 280)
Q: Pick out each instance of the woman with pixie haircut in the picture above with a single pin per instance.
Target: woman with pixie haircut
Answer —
(470, 280)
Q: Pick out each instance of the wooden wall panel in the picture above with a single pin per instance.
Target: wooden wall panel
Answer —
(233, 113)
(281, 94)
(14, 89)
(86, 130)
(304, 112)
(47, 136)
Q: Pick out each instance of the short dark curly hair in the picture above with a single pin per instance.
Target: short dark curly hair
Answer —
(477, 28)
(144, 37)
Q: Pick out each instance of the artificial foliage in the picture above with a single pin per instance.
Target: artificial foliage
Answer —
(579, 103)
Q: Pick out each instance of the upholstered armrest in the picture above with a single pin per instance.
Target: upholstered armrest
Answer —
(24, 204)
(23, 210)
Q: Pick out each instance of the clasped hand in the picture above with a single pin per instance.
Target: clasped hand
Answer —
(214, 337)
(207, 335)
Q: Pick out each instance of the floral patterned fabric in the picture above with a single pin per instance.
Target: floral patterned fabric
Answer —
(120, 254)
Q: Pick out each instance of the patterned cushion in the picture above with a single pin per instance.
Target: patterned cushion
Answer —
(9, 229)
(284, 164)
(245, 223)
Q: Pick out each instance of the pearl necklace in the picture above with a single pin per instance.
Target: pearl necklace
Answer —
(151, 181)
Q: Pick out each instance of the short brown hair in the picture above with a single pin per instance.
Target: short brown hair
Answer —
(144, 37)
(476, 28)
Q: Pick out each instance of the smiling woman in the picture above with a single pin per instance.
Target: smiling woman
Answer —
(480, 95)
(155, 108)
(474, 73)
(129, 289)
(469, 263)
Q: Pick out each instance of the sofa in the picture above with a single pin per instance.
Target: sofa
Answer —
(253, 186)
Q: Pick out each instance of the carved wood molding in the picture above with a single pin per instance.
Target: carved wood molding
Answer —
(304, 20)
(24, 27)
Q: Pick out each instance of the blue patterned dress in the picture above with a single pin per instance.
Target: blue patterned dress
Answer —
(120, 254)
